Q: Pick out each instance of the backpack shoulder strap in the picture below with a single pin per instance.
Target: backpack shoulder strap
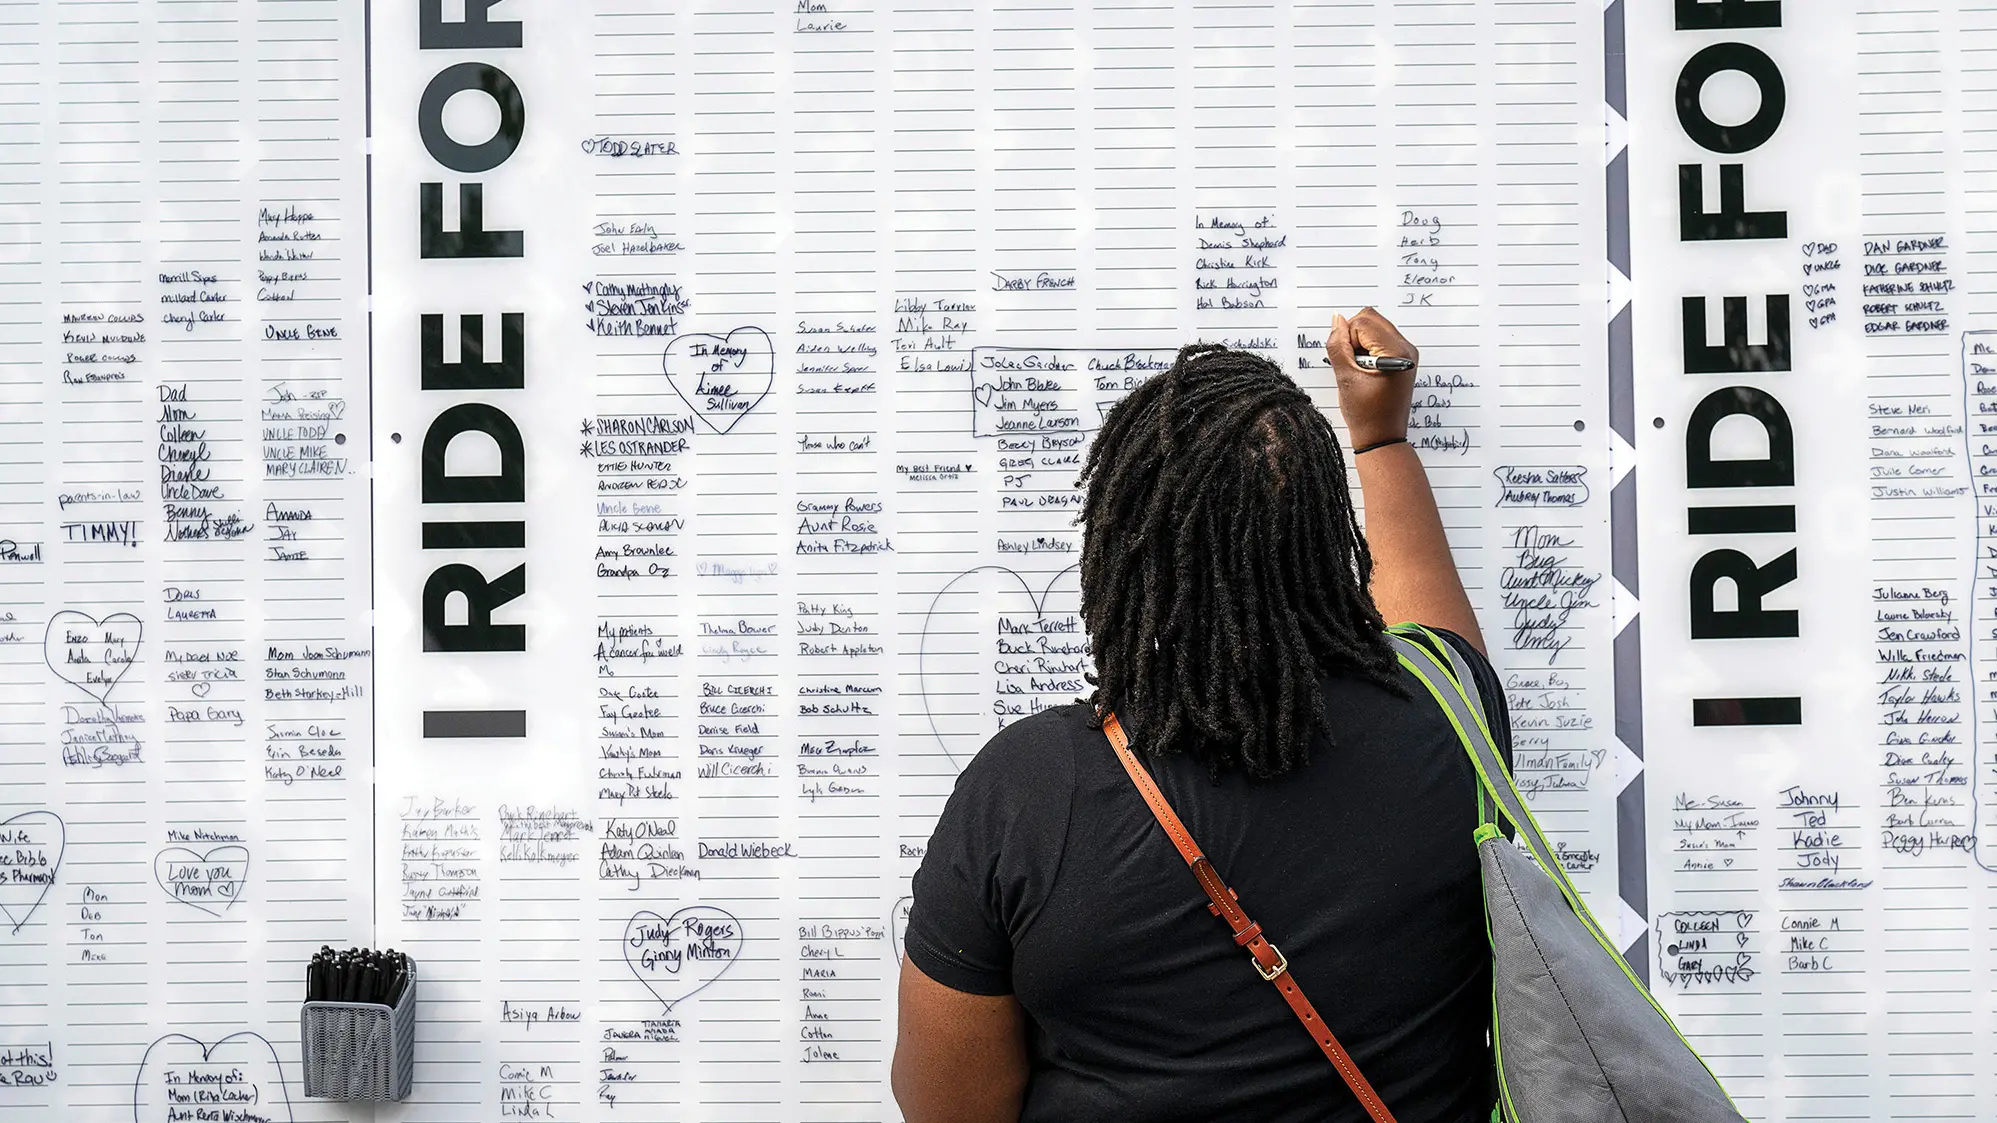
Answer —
(1269, 962)
(1454, 687)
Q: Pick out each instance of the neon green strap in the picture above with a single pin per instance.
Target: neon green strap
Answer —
(1455, 689)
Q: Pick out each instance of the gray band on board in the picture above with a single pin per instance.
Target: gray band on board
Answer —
(1632, 882)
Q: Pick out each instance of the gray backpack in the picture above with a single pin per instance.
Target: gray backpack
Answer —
(1577, 1037)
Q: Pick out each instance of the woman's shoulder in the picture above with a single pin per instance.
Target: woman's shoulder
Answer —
(1463, 647)
(1035, 749)
(1484, 676)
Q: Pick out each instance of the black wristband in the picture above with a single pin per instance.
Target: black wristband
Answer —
(1380, 444)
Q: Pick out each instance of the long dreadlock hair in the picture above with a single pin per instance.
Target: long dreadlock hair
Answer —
(1223, 570)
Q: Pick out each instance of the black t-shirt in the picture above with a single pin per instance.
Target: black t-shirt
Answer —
(1048, 878)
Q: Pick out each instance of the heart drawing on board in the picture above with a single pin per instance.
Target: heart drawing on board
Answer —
(211, 882)
(898, 927)
(1025, 651)
(677, 956)
(31, 846)
(238, 1075)
(91, 654)
(722, 378)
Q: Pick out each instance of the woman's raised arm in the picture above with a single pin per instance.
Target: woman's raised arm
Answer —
(1414, 574)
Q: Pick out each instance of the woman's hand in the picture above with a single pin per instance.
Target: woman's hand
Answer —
(1414, 573)
(1375, 404)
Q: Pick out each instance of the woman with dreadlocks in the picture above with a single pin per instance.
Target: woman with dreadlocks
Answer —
(1060, 965)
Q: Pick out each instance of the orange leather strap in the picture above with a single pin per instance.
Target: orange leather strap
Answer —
(1269, 963)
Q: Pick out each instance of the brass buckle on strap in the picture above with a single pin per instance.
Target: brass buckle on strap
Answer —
(1269, 973)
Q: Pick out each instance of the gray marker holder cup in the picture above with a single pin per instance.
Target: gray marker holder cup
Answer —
(359, 1050)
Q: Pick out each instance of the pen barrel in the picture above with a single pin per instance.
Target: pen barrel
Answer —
(1383, 364)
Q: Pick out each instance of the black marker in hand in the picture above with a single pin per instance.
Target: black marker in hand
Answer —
(1385, 364)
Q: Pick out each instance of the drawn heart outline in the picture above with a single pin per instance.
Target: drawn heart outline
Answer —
(117, 636)
(14, 902)
(226, 890)
(658, 949)
(208, 1051)
(721, 369)
(929, 621)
